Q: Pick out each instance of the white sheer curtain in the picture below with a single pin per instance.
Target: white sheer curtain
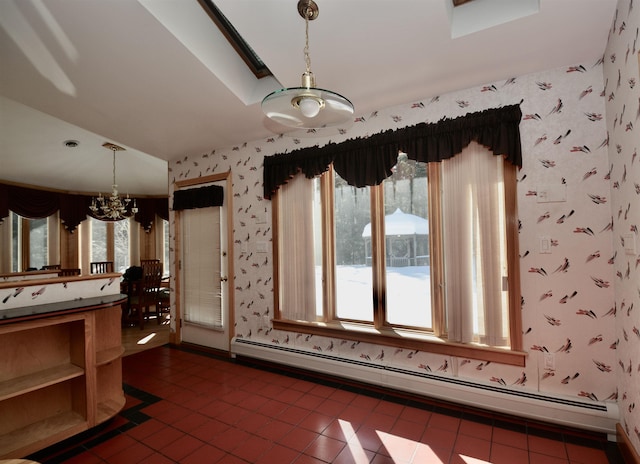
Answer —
(296, 256)
(474, 247)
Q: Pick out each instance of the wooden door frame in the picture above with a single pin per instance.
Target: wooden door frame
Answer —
(176, 337)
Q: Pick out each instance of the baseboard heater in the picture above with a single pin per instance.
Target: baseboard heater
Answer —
(596, 416)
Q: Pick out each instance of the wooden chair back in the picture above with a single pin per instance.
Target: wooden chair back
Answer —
(147, 288)
(68, 272)
(101, 267)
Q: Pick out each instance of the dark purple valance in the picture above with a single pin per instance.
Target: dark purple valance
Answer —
(34, 204)
(368, 161)
(201, 197)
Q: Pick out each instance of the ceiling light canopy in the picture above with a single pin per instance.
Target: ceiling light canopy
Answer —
(307, 106)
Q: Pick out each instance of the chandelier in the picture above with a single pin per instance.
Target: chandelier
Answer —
(113, 208)
(307, 106)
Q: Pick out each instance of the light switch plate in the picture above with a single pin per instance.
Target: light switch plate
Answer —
(629, 243)
(551, 193)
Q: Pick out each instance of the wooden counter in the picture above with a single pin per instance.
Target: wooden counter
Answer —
(60, 371)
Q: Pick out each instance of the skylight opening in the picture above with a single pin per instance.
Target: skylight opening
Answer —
(242, 48)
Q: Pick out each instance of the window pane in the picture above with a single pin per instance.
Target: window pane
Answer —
(121, 245)
(352, 216)
(38, 255)
(407, 245)
(98, 240)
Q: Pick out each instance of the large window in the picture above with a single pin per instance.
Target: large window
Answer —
(110, 241)
(424, 260)
(29, 243)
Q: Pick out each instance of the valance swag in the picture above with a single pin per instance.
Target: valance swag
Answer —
(368, 161)
(201, 197)
(34, 204)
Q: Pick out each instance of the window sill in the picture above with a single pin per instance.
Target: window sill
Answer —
(404, 338)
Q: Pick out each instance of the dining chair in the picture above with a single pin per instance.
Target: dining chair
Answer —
(68, 272)
(145, 294)
(51, 267)
(101, 267)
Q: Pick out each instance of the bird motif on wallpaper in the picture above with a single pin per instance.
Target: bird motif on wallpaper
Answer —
(545, 295)
(557, 108)
(565, 298)
(538, 270)
(566, 348)
(585, 92)
(541, 348)
(552, 320)
(582, 149)
(15, 293)
(548, 163)
(578, 68)
(561, 137)
(544, 85)
(593, 256)
(569, 378)
(489, 88)
(37, 293)
(548, 373)
(532, 117)
(583, 230)
(602, 367)
(564, 217)
(594, 340)
(563, 267)
(588, 313)
(589, 395)
(600, 282)
(543, 217)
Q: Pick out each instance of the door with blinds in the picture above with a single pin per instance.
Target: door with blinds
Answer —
(204, 279)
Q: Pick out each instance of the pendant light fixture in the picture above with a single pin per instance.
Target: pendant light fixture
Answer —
(307, 106)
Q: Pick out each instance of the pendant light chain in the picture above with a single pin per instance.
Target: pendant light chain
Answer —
(114, 166)
(307, 57)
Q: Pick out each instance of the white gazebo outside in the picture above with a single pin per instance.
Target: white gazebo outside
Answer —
(407, 240)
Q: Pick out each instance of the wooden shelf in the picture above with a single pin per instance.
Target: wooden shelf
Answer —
(110, 408)
(41, 379)
(26, 440)
(110, 354)
(61, 374)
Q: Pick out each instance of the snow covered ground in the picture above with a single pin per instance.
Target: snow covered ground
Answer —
(408, 294)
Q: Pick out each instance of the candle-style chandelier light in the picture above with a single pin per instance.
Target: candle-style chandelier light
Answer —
(113, 208)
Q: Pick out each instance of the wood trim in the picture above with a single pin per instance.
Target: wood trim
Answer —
(230, 264)
(327, 192)
(513, 255)
(202, 180)
(436, 258)
(175, 337)
(629, 453)
(403, 339)
(378, 251)
(54, 280)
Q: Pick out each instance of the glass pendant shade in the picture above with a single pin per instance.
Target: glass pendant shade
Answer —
(307, 106)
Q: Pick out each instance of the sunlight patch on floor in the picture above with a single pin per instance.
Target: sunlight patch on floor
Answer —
(147, 339)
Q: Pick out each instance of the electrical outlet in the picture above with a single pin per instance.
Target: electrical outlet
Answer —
(550, 361)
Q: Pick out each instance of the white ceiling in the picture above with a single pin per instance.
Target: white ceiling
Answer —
(158, 78)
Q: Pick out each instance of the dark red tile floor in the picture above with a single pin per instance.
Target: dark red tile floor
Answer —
(193, 408)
